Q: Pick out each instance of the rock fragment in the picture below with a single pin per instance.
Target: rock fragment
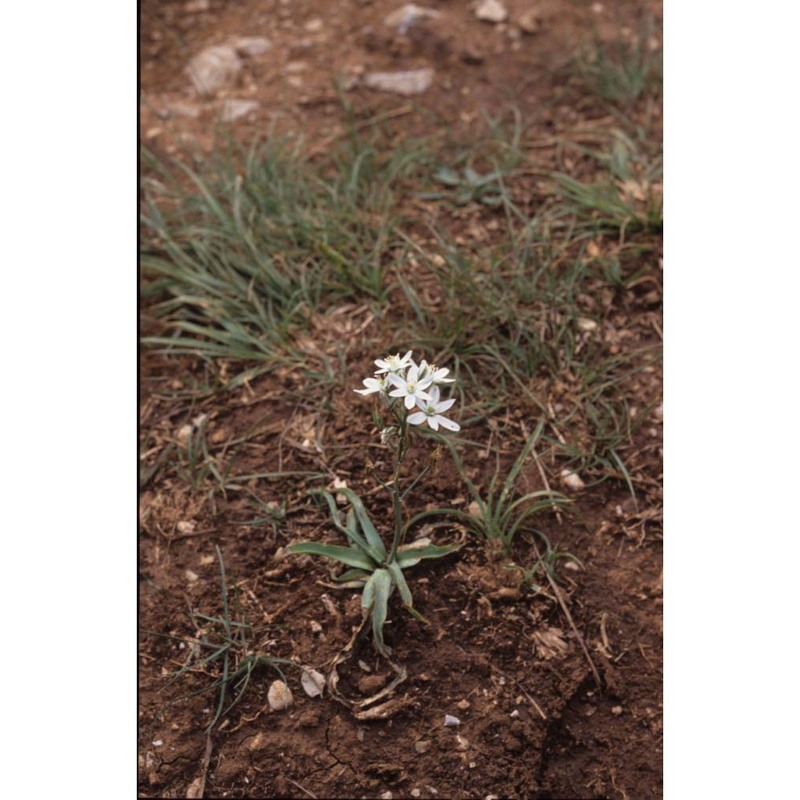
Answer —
(491, 11)
(404, 17)
(249, 46)
(233, 109)
(279, 696)
(572, 480)
(528, 21)
(406, 83)
(313, 682)
(214, 68)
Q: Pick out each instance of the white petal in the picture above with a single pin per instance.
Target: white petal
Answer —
(409, 400)
(448, 423)
(433, 423)
(399, 393)
(445, 404)
(418, 418)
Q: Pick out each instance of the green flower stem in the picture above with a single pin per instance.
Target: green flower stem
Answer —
(397, 502)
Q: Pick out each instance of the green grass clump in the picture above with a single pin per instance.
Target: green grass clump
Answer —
(230, 655)
(502, 511)
(622, 73)
(628, 196)
(238, 250)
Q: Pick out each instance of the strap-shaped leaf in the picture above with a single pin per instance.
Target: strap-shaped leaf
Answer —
(400, 581)
(409, 556)
(352, 575)
(351, 533)
(383, 587)
(368, 595)
(346, 555)
(373, 537)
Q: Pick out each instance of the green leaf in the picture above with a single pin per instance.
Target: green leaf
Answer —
(373, 537)
(400, 581)
(352, 575)
(368, 595)
(382, 581)
(346, 555)
(351, 533)
(409, 556)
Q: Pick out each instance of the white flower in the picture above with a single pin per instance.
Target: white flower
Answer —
(393, 364)
(379, 384)
(432, 412)
(411, 387)
(431, 371)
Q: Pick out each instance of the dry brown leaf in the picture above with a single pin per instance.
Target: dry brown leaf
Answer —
(550, 643)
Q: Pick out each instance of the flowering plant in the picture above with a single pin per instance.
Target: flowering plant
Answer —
(411, 394)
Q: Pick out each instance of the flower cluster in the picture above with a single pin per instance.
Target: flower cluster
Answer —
(417, 384)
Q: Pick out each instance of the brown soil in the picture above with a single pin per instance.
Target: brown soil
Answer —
(499, 654)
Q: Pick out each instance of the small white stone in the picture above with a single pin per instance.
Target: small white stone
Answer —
(408, 82)
(314, 25)
(514, 713)
(586, 325)
(415, 792)
(252, 45)
(528, 21)
(315, 626)
(158, 743)
(572, 480)
(279, 696)
(313, 682)
(184, 436)
(451, 721)
(186, 526)
(491, 11)
(192, 577)
(214, 68)
(405, 16)
(233, 109)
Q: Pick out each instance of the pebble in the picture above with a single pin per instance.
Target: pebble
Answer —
(528, 21)
(415, 792)
(463, 705)
(422, 746)
(314, 25)
(184, 435)
(252, 45)
(491, 11)
(233, 109)
(214, 68)
(405, 16)
(192, 577)
(450, 721)
(313, 682)
(572, 480)
(279, 696)
(408, 82)
(616, 711)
